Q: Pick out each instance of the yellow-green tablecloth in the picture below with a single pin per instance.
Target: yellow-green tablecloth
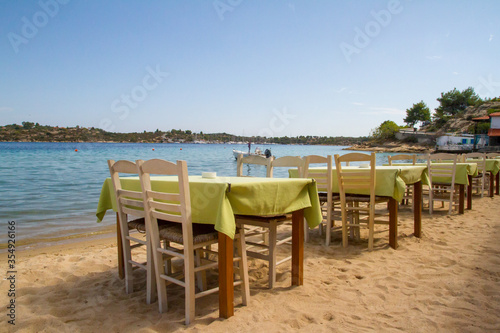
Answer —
(216, 201)
(492, 165)
(388, 180)
(462, 171)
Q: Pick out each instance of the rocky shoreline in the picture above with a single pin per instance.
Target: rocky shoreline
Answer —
(393, 147)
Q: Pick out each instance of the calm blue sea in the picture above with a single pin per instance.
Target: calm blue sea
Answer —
(51, 190)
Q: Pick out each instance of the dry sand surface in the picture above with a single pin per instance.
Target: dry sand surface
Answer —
(447, 281)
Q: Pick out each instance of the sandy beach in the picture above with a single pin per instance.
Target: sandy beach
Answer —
(446, 281)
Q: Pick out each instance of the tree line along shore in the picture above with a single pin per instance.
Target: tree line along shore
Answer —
(34, 132)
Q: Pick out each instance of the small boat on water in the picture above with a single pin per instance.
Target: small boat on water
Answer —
(257, 152)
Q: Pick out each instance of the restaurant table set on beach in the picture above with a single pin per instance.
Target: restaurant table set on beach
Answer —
(189, 224)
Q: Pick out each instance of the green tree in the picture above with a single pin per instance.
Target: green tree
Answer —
(419, 112)
(454, 102)
(387, 130)
(27, 125)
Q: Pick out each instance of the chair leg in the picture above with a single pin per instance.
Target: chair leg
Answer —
(272, 253)
(328, 228)
(344, 227)
(189, 280)
(150, 274)
(306, 232)
(431, 201)
(243, 268)
(371, 227)
(160, 283)
(265, 236)
(357, 229)
(127, 256)
(168, 261)
(201, 277)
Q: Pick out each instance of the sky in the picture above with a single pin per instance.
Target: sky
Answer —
(268, 68)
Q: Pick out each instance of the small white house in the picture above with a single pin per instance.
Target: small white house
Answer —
(451, 142)
(494, 131)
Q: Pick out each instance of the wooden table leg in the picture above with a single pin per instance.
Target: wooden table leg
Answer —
(469, 192)
(121, 263)
(393, 223)
(492, 184)
(461, 199)
(298, 248)
(226, 283)
(417, 209)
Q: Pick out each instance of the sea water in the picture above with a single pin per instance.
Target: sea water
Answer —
(51, 190)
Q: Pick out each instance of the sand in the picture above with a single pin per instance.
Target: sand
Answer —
(447, 281)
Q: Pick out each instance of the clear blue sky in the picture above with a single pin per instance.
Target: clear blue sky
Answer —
(277, 68)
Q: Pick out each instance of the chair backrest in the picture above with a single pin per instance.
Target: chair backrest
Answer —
(403, 157)
(436, 167)
(479, 158)
(174, 206)
(423, 157)
(127, 201)
(286, 162)
(361, 179)
(322, 176)
(493, 155)
(252, 159)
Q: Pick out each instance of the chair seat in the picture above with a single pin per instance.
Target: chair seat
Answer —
(140, 225)
(201, 233)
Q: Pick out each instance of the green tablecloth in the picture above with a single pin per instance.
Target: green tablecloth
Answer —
(462, 171)
(492, 165)
(388, 180)
(215, 201)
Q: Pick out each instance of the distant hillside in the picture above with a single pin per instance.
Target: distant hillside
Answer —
(462, 122)
(34, 132)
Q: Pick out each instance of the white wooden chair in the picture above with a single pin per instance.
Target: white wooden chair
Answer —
(129, 203)
(252, 159)
(358, 209)
(478, 182)
(439, 190)
(323, 178)
(267, 226)
(493, 155)
(409, 188)
(190, 237)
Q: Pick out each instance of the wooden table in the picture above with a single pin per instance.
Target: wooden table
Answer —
(463, 176)
(216, 201)
(412, 175)
(493, 168)
(391, 183)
